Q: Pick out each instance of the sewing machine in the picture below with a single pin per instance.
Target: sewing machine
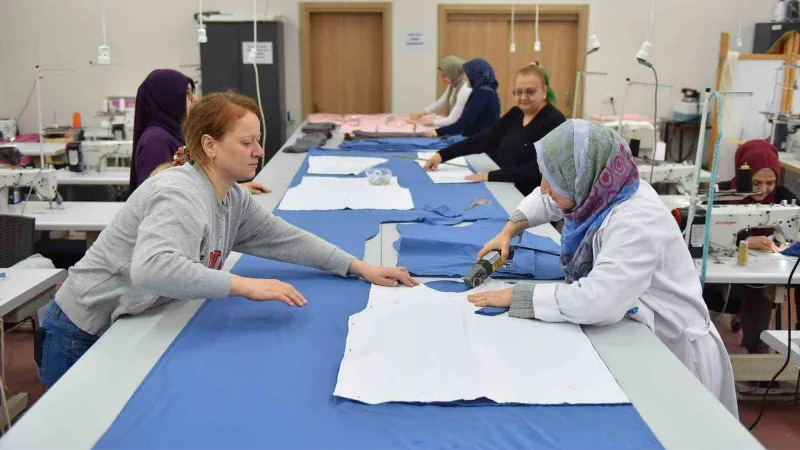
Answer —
(95, 154)
(681, 174)
(42, 181)
(731, 223)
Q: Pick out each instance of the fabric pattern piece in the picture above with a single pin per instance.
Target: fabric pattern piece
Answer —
(383, 362)
(449, 251)
(328, 193)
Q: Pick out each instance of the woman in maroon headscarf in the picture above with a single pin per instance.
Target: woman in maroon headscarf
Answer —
(162, 101)
(754, 304)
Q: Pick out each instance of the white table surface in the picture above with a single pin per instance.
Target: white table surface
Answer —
(777, 339)
(69, 216)
(111, 177)
(22, 285)
(32, 148)
(85, 402)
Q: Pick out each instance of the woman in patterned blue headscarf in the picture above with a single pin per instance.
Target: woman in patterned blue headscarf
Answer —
(623, 255)
(483, 106)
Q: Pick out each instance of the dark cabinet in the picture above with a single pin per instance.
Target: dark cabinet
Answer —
(223, 67)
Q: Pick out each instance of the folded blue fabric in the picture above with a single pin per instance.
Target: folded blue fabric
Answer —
(442, 210)
(792, 250)
(491, 311)
(407, 143)
(449, 251)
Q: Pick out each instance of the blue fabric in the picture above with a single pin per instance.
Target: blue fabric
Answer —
(443, 251)
(442, 210)
(491, 311)
(792, 250)
(407, 143)
(62, 344)
(447, 286)
(480, 113)
(259, 375)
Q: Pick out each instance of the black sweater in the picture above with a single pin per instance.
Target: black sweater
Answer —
(515, 153)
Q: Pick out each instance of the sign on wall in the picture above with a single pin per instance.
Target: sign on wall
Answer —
(415, 39)
(263, 53)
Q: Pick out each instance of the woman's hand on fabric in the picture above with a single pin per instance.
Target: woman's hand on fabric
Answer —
(430, 133)
(382, 276)
(480, 177)
(416, 115)
(427, 121)
(501, 243)
(432, 165)
(256, 188)
(498, 299)
(260, 290)
(763, 243)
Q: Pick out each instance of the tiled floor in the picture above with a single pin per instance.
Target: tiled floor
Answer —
(779, 428)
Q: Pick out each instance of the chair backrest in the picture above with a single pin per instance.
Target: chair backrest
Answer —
(16, 239)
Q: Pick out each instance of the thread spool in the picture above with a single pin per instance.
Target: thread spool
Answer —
(742, 256)
(744, 179)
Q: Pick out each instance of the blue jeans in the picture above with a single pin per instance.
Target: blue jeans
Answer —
(59, 344)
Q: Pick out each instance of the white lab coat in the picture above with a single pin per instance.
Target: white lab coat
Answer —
(643, 271)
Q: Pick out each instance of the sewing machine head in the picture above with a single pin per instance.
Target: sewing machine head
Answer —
(682, 174)
(42, 181)
(96, 153)
(727, 221)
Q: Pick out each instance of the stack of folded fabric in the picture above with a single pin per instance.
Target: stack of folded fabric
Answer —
(314, 135)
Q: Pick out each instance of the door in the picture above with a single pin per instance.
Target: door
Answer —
(345, 61)
(472, 31)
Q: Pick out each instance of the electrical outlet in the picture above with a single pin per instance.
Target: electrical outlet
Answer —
(104, 55)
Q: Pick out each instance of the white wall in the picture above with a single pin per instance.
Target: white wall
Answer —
(150, 34)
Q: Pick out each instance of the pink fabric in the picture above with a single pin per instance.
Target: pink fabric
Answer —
(29, 137)
(384, 123)
(332, 118)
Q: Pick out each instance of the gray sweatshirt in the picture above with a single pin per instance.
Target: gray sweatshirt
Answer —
(170, 242)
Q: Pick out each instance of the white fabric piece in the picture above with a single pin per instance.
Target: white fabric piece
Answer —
(642, 271)
(447, 173)
(341, 165)
(421, 345)
(327, 194)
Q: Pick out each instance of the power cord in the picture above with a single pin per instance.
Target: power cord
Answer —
(788, 348)
(655, 124)
(27, 102)
(258, 82)
(30, 189)
(522, 247)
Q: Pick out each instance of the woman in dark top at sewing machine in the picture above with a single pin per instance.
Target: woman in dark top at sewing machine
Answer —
(523, 125)
(754, 304)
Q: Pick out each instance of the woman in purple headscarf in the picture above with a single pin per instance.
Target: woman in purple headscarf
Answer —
(162, 101)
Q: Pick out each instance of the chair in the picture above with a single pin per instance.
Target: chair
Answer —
(16, 239)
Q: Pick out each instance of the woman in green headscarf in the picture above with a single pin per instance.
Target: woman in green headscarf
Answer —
(454, 98)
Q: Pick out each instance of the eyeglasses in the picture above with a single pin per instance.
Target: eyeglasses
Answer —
(530, 92)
